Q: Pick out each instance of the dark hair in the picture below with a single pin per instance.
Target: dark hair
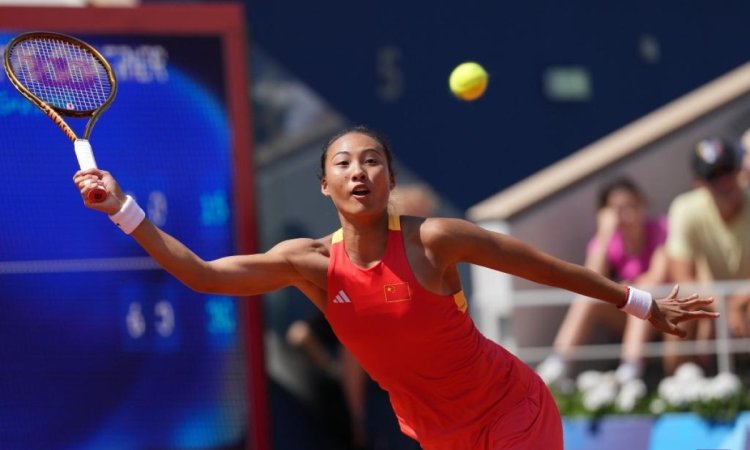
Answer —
(361, 129)
(618, 183)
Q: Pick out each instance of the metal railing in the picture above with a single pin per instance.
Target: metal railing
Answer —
(723, 345)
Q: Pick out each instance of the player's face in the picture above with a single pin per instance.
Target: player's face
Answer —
(357, 176)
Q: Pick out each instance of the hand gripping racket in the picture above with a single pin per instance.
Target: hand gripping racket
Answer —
(63, 76)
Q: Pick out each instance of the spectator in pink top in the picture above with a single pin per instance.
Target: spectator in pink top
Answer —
(628, 247)
(625, 266)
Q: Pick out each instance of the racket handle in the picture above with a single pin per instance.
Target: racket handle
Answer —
(97, 195)
(85, 156)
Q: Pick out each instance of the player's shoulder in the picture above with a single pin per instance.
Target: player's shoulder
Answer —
(303, 246)
(436, 230)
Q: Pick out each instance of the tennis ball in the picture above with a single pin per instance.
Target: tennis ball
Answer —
(468, 81)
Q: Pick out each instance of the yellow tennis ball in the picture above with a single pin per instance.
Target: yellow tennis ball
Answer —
(468, 81)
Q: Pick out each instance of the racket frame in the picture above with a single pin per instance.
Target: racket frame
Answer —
(82, 147)
(55, 113)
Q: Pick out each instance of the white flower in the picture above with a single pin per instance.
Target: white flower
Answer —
(552, 369)
(670, 389)
(600, 396)
(590, 379)
(691, 390)
(666, 388)
(688, 371)
(587, 380)
(680, 391)
(722, 387)
(630, 393)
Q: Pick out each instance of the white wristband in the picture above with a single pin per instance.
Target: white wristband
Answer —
(639, 303)
(129, 216)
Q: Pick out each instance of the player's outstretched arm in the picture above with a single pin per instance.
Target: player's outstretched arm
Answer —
(455, 241)
(233, 275)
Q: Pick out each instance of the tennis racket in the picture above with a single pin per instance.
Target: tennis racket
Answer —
(63, 76)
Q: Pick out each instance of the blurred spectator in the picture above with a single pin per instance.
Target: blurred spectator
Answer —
(315, 338)
(709, 233)
(313, 367)
(414, 200)
(628, 247)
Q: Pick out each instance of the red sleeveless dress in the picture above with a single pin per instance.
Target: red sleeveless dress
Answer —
(450, 387)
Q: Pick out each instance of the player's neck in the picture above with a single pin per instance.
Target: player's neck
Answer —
(365, 239)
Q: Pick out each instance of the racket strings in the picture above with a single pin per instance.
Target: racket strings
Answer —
(62, 74)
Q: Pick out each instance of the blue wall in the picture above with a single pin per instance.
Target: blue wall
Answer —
(469, 151)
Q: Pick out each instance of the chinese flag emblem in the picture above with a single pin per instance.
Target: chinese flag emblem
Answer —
(398, 292)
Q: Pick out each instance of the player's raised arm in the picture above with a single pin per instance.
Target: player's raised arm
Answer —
(232, 275)
(457, 241)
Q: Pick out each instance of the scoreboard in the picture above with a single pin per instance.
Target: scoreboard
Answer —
(99, 347)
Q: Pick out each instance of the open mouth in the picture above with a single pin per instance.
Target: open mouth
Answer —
(360, 191)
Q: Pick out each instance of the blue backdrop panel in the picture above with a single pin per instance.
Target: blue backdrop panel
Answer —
(98, 348)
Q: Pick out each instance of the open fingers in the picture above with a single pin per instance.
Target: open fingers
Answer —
(694, 315)
(688, 298)
(694, 302)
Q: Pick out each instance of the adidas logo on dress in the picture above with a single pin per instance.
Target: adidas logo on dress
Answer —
(341, 297)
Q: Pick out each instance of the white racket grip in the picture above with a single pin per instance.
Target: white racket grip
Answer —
(86, 160)
(84, 154)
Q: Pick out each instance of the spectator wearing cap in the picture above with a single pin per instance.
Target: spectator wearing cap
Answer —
(709, 232)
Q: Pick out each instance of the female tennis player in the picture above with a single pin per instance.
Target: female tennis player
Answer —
(390, 289)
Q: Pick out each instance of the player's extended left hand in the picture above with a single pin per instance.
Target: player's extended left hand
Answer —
(89, 179)
(670, 311)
